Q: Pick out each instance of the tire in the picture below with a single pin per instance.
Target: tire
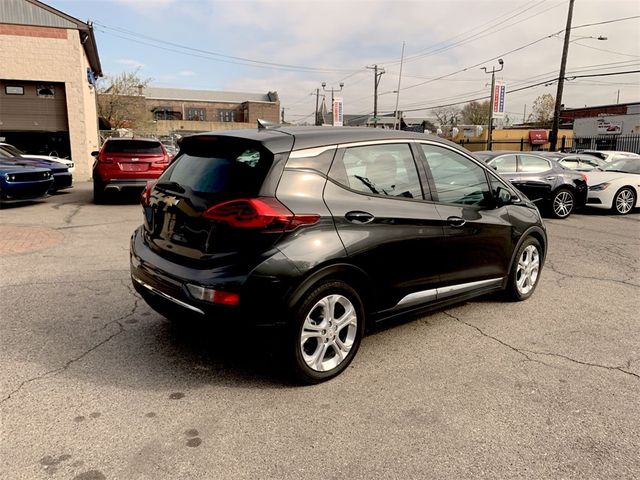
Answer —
(525, 271)
(98, 192)
(563, 203)
(624, 201)
(322, 343)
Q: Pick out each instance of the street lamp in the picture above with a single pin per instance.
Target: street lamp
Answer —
(493, 86)
(324, 84)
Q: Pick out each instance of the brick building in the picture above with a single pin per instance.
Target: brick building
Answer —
(198, 109)
(48, 61)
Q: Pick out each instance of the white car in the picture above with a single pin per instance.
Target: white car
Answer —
(611, 155)
(19, 153)
(616, 186)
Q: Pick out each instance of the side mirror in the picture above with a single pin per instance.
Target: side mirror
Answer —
(95, 153)
(504, 197)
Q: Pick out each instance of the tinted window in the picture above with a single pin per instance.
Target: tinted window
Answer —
(132, 146)
(457, 178)
(220, 168)
(629, 165)
(531, 164)
(380, 170)
(571, 162)
(504, 164)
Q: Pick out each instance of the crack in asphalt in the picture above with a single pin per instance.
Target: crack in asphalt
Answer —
(76, 210)
(96, 225)
(554, 269)
(82, 283)
(79, 357)
(525, 352)
(495, 339)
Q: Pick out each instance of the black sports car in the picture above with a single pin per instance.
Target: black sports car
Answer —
(546, 182)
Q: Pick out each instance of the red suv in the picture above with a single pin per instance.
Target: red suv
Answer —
(127, 163)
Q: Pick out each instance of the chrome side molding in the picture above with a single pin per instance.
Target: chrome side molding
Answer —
(425, 296)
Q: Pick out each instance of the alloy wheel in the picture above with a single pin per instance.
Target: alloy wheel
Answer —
(328, 333)
(528, 269)
(624, 201)
(563, 204)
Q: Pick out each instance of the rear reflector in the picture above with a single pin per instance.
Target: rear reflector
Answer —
(213, 296)
(265, 213)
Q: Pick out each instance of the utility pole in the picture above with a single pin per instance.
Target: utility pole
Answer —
(317, 122)
(377, 75)
(395, 118)
(524, 115)
(553, 138)
(493, 87)
(283, 115)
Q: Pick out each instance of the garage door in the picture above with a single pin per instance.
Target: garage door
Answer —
(33, 106)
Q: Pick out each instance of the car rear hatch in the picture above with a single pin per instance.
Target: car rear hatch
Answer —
(210, 207)
(134, 156)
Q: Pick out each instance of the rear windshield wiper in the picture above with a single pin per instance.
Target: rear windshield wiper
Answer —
(173, 186)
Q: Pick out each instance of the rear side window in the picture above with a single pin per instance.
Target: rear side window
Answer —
(132, 146)
(505, 164)
(531, 164)
(220, 168)
(387, 170)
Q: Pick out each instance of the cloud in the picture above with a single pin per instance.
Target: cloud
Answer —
(130, 63)
(187, 73)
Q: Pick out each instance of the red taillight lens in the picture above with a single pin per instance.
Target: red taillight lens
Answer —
(264, 213)
(584, 178)
(145, 196)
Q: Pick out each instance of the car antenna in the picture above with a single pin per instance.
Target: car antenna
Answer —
(266, 125)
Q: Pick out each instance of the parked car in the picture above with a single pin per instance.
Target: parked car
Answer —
(127, 163)
(18, 153)
(556, 188)
(20, 182)
(582, 162)
(616, 187)
(611, 155)
(315, 232)
(61, 177)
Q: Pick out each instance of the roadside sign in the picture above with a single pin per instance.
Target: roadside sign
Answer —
(498, 100)
(337, 112)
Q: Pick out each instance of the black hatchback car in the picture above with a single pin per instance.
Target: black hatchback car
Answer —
(315, 232)
(556, 188)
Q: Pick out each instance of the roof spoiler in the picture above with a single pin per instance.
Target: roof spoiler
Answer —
(266, 125)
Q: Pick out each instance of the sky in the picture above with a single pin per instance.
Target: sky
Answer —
(292, 47)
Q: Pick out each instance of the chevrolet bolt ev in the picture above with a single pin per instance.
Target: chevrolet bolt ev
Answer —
(317, 232)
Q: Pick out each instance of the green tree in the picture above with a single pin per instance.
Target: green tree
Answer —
(120, 101)
(543, 108)
(475, 113)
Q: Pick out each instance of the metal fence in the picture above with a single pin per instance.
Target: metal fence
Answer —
(623, 143)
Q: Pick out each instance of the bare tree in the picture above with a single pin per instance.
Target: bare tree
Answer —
(120, 100)
(475, 113)
(543, 108)
(447, 117)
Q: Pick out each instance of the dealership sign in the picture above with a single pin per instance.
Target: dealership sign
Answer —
(497, 99)
(337, 112)
(606, 127)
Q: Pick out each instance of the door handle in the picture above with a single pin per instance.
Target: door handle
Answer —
(550, 178)
(359, 217)
(456, 221)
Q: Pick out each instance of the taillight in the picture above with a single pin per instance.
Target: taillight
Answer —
(584, 178)
(264, 213)
(145, 196)
(102, 159)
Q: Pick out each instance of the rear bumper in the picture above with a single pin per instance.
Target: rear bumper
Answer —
(162, 284)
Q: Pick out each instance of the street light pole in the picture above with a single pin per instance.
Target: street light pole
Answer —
(324, 84)
(377, 76)
(493, 87)
(317, 122)
(553, 138)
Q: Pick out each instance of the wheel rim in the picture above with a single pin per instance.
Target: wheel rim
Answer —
(328, 333)
(624, 201)
(563, 204)
(528, 269)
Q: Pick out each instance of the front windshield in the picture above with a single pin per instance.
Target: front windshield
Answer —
(12, 150)
(627, 165)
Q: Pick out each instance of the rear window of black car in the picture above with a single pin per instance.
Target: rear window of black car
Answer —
(218, 167)
(132, 146)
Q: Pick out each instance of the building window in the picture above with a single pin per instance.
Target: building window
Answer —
(45, 91)
(13, 90)
(165, 113)
(227, 115)
(197, 114)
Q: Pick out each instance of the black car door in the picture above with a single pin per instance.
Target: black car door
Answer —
(388, 230)
(478, 233)
(537, 178)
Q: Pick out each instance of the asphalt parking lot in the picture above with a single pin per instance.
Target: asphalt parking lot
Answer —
(95, 385)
